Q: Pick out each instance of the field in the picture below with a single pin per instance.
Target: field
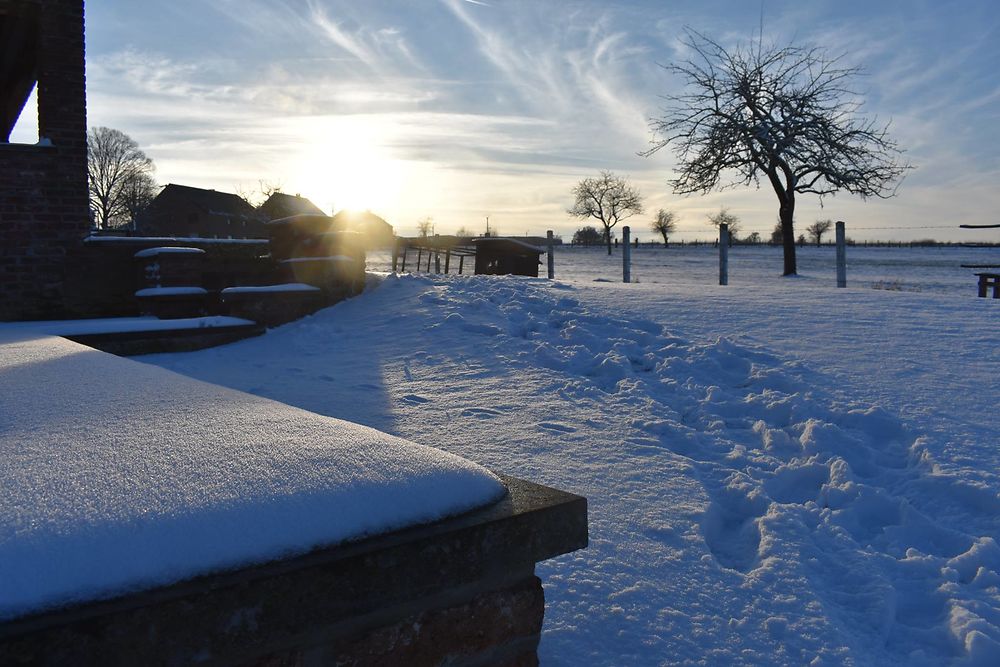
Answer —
(933, 270)
(778, 471)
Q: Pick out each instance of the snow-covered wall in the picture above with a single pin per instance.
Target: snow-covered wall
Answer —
(120, 476)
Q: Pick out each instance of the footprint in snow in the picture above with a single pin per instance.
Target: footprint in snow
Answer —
(481, 413)
(731, 522)
(559, 428)
(414, 399)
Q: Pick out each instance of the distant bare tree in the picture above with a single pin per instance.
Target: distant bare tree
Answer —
(818, 228)
(587, 236)
(425, 226)
(786, 115)
(664, 224)
(724, 217)
(464, 232)
(117, 173)
(137, 193)
(777, 235)
(257, 196)
(607, 198)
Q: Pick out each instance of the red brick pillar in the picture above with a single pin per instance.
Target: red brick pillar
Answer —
(44, 211)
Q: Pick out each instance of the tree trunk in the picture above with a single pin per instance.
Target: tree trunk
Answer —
(787, 214)
(665, 244)
(607, 238)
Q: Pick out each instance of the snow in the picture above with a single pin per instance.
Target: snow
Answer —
(120, 476)
(169, 250)
(332, 258)
(107, 325)
(284, 287)
(171, 291)
(778, 471)
(172, 239)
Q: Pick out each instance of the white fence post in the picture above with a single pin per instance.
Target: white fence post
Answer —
(841, 255)
(551, 258)
(723, 254)
(626, 255)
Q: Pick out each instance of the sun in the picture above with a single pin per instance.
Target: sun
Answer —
(344, 165)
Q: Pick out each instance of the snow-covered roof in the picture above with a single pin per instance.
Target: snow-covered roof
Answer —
(112, 486)
(333, 259)
(169, 250)
(171, 291)
(172, 239)
(259, 289)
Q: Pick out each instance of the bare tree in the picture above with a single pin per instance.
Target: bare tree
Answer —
(724, 217)
(786, 115)
(425, 226)
(818, 228)
(587, 236)
(464, 232)
(116, 167)
(257, 196)
(777, 235)
(664, 224)
(607, 198)
(137, 193)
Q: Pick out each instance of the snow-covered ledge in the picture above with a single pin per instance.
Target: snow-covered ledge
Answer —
(231, 527)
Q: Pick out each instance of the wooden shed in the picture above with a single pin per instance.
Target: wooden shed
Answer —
(501, 256)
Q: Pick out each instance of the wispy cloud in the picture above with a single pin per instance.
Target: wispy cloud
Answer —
(498, 107)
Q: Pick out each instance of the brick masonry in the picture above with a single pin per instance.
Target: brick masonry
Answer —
(43, 189)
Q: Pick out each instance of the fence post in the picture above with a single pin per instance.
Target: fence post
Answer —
(420, 255)
(447, 259)
(626, 255)
(723, 254)
(551, 258)
(395, 254)
(841, 255)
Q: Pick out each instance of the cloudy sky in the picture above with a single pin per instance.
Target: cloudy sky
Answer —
(462, 109)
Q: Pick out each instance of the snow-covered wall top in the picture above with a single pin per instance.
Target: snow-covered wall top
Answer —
(120, 476)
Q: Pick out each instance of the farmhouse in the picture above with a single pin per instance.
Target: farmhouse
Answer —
(181, 210)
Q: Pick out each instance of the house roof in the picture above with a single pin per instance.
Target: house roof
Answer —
(352, 219)
(280, 205)
(210, 201)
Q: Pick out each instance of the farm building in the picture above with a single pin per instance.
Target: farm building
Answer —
(184, 211)
(500, 256)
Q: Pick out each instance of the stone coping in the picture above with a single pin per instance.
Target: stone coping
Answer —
(342, 590)
(156, 341)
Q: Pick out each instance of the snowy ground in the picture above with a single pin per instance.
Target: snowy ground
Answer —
(779, 472)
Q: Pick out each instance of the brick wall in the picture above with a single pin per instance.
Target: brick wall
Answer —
(43, 189)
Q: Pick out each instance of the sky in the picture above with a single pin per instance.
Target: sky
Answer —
(466, 109)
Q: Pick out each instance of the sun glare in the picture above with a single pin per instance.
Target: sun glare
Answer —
(346, 167)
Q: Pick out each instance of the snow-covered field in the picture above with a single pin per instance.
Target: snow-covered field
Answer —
(779, 472)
